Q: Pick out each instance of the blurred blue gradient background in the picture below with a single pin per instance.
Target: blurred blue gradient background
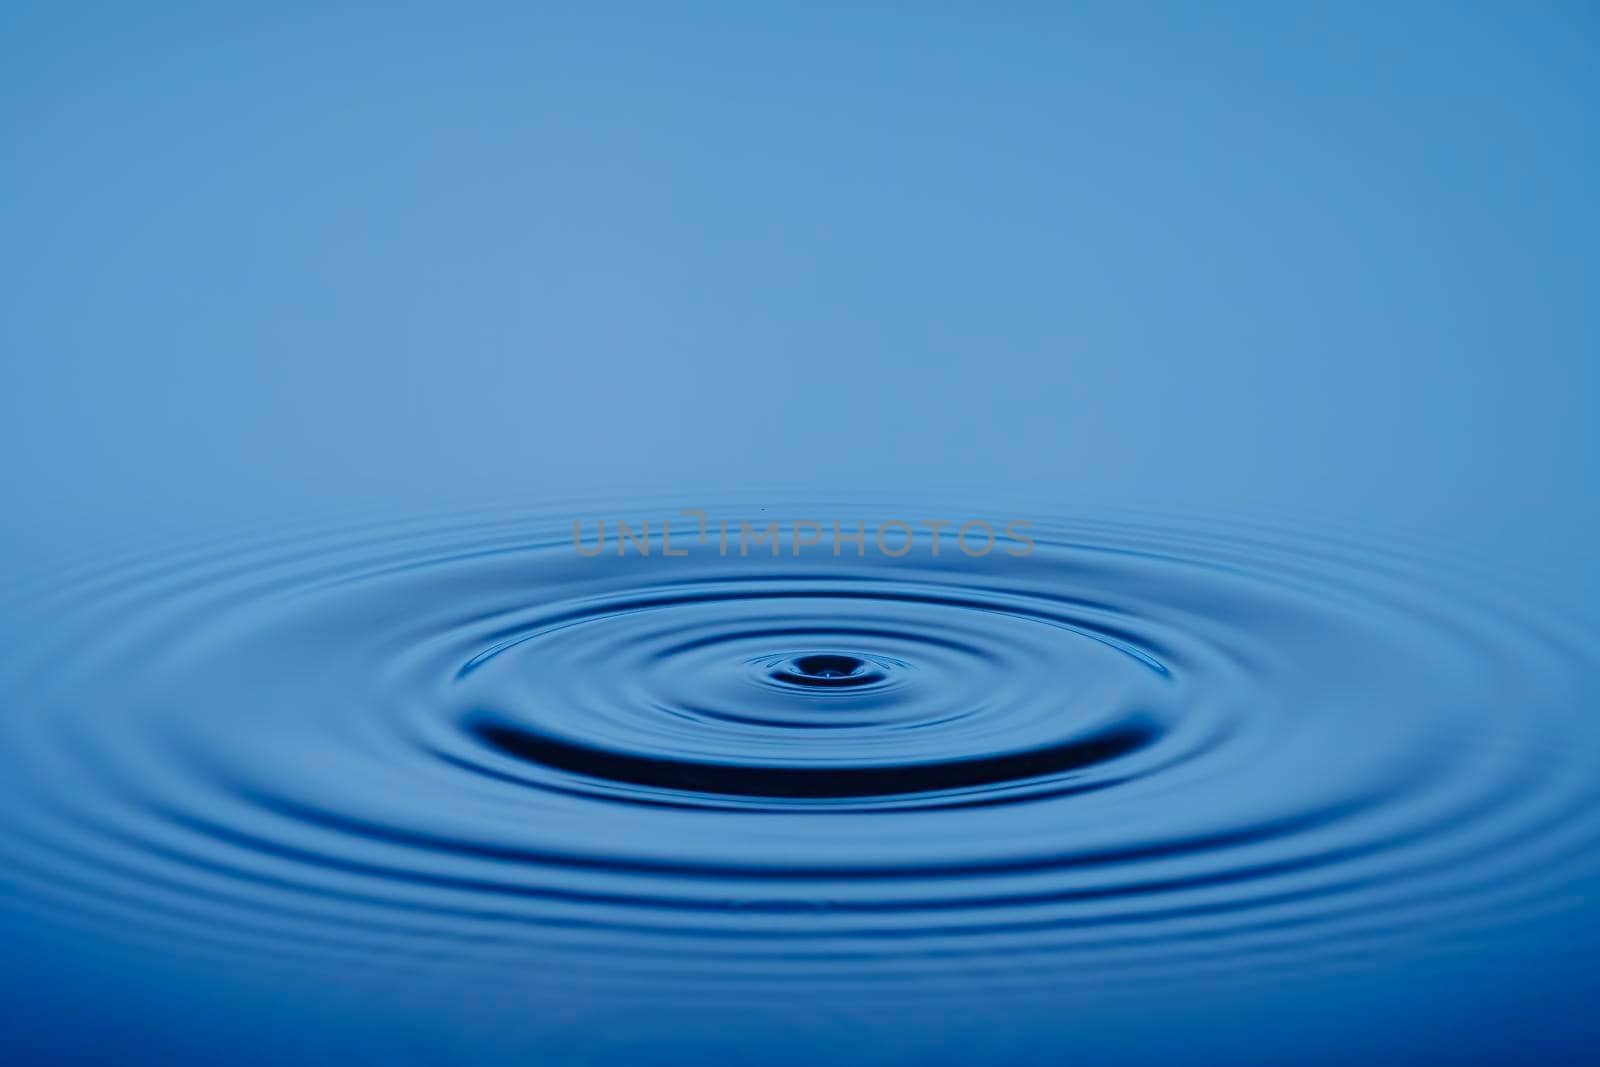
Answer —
(1326, 258)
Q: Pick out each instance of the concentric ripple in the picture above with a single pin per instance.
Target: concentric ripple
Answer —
(1146, 748)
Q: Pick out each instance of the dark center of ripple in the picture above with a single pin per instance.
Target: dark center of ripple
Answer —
(812, 691)
(827, 670)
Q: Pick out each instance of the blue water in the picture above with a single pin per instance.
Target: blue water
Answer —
(1261, 336)
(447, 787)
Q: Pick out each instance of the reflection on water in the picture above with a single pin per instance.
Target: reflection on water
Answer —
(1148, 756)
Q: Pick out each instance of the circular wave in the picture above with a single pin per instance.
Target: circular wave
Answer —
(1141, 749)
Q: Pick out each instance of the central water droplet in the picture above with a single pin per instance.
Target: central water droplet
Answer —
(828, 666)
(828, 669)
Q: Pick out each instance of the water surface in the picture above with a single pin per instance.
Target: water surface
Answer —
(495, 798)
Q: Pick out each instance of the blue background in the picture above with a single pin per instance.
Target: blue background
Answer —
(1329, 259)
(1325, 261)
